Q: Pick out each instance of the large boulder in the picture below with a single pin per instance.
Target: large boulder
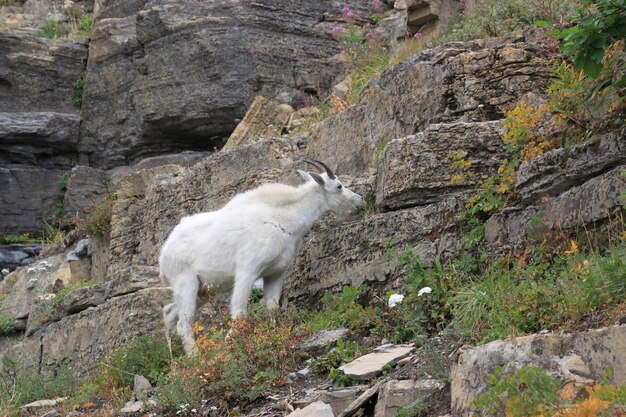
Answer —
(579, 358)
(592, 203)
(175, 75)
(416, 170)
(459, 82)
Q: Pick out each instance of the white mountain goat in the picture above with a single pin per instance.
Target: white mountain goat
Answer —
(257, 234)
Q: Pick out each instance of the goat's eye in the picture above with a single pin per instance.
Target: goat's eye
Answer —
(339, 187)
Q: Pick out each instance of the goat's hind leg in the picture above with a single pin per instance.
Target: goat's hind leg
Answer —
(185, 296)
(170, 317)
(272, 290)
(241, 293)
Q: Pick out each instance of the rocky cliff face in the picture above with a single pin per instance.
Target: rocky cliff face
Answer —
(39, 126)
(154, 86)
(171, 76)
(409, 182)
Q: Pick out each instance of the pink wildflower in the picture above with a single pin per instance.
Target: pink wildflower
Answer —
(418, 36)
(378, 5)
(346, 11)
(336, 31)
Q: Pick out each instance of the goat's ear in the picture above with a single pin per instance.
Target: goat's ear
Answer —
(317, 177)
(305, 175)
(311, 176)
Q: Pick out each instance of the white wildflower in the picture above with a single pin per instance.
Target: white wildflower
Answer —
(4, 271)
(425, 290)
(395, 299)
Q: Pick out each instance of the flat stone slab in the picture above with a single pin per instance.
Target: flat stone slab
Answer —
(316, 409)
(317, 342)
(368, 366)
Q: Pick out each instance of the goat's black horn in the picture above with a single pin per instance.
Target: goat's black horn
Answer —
(329, 172)
(321, 166)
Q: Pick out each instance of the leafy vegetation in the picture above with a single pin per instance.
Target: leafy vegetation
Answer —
(12, 239)
(144, 355)
(257, 355)
(530, 392)
(596, 24)
(98, 221)
(7, 325)
(52, 30)
(60, 296)
(515, 297)
(79, 24)
(77, 94)
(20, 386)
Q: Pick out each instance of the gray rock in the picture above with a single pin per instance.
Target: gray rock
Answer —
(43, 403)
(24, 212)
(141, 386)
(132, 280)
(39, 74)
(316, 409)
(12, 256)
(36, 149)
(340, 398)
(416, 170)
(462, 82)
(132, 406)
(46, 139)
(263, 120)
(579, 358)
(51, 413)
(83, 339)
(81, 299)
(85, 188)
(591, 202)
(316, 343)
(79, 252)
(561, 169)
(368, 366)
(359, 248)
(30, 284)
(362, 399)
(395, 394)
(135, 50)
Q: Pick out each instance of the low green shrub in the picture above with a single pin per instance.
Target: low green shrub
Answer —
(53, 30)
(344, 352)
(344, 310)
(530, 392)
(12, 239)
(259, 352)
(499, 17)
(20, 386)
(77, 94)
(144, 355)
(513, 296)
(7, 325)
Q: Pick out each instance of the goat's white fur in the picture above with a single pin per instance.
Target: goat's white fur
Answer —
(257, 234)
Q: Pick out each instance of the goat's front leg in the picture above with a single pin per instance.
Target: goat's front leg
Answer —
(241, 292)
(272, 290)
(185, 295)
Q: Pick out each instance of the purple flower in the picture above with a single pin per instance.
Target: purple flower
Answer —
(336, 30)
(418, 36)
(346, 10)
(368, 24)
